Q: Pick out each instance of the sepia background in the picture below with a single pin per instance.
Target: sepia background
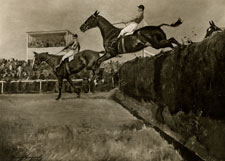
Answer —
(159, 108)
(20, 16)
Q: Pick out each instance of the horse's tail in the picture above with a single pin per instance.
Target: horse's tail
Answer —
(175, 24)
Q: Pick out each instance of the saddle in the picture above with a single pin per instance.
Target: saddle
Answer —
(120, 44)
(70, 58)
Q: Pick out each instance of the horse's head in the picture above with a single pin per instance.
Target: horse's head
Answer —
(38, 59)
(212, 29)
(91, 22)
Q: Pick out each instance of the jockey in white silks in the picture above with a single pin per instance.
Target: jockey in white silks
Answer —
(72, 48)
(133, 24)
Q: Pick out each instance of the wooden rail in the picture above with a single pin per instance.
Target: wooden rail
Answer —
(34, 81)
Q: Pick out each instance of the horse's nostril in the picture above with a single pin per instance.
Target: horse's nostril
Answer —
(82, 28)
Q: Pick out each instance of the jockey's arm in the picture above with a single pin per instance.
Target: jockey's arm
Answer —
(76, 45)
(70, 44)
(136, 18)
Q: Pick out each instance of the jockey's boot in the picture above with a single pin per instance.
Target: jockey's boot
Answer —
(114, 43)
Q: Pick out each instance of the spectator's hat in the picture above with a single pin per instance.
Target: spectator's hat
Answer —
(75, 35)
(141, 7)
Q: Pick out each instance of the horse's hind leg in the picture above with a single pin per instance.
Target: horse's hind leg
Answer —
(91, 82)
(174, 41)
(77, 90)
(162, 43)
(60, 81)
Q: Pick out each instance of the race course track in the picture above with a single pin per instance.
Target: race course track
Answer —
(93, 127)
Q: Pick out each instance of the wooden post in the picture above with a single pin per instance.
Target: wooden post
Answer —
(2, 90)
(27, 46)
(40, 86)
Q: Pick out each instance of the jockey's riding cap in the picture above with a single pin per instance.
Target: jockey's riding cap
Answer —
(141, 7)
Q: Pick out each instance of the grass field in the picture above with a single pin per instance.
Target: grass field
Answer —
(92, 128)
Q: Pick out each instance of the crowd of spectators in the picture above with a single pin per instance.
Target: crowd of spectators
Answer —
(12, 69)
(19, 70)
(46, 43)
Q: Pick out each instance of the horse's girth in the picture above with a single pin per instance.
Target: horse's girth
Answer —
(121, 45)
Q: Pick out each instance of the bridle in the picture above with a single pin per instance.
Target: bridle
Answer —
(47, 59)
(87, 27)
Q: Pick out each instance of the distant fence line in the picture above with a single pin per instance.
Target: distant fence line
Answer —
(6, 87)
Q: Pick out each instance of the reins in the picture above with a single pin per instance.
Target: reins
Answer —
(49, 58)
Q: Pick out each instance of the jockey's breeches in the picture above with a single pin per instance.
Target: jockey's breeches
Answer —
(128, 29)
(68, 54)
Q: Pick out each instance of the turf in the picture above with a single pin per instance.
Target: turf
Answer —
(91, 128)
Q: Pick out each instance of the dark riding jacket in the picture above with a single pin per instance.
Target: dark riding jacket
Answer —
(73, 45)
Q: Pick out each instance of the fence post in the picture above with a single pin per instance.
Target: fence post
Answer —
(2, 90)
(40, 86)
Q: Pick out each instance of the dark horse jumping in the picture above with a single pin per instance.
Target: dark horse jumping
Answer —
(86, 58)
(147, 36)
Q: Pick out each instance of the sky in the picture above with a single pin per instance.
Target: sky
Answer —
(20, 16)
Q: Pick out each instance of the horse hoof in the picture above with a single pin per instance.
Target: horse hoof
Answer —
(181, 46)
(78, 93)
(57, 98)
(160, 119)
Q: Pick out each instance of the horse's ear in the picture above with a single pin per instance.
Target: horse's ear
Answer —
(35, 53)
(210, 22)
(213, 22)
(96, 13)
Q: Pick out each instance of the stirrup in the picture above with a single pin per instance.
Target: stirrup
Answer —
(57, 66)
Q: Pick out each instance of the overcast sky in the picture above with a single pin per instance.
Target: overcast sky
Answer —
(20, 16)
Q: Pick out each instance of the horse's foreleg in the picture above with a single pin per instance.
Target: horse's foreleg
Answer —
(159, 115)
(60, 81)
(77, 90)
(102, 59)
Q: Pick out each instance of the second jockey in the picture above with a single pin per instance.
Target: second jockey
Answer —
(133, 23)
(72, 48)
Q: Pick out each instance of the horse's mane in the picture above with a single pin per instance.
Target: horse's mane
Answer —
(107, 22)
(55, 56)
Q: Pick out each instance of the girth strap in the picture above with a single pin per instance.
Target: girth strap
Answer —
(123, 45)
